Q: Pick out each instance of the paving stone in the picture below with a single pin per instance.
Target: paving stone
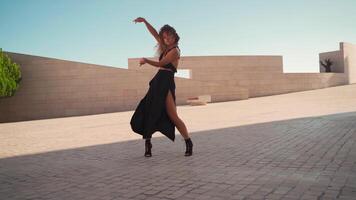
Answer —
(281, 155)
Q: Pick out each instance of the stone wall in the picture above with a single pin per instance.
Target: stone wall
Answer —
(58, 88)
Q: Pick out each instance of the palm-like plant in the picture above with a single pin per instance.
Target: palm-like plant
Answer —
(326, 64)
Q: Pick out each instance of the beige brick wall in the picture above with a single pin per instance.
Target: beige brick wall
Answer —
(259, 75)
(58, 88)
(349, 55)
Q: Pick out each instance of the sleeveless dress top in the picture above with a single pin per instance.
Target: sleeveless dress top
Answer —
(169, 65)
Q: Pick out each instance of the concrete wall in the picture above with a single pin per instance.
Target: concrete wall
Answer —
(58, 88)
(344, 61)
(293, 82)
(349, 56)
(259, 75)
(236, 71)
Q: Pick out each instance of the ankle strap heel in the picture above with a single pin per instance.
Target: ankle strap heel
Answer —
(148, 147)
(189, 147)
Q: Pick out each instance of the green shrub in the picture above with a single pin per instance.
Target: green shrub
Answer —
(10, 75)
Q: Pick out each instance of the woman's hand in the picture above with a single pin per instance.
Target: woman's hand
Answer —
(143, 61)
(139, 20)
(149, 27)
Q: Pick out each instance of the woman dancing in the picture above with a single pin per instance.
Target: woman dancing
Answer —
(157, 110)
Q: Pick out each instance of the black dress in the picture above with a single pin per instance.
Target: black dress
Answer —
(151, 114)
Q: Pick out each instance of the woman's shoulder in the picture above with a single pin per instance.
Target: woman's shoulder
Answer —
(174, 49)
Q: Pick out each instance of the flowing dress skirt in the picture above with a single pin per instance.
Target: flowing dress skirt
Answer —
(151, 114)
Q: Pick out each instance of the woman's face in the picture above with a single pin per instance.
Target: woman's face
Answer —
(168, 39)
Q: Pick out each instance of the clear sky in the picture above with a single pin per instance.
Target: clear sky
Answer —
(102, 31)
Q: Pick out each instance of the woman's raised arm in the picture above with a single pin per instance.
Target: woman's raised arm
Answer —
(149, 27)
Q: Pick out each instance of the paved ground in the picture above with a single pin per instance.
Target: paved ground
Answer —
(293, 146)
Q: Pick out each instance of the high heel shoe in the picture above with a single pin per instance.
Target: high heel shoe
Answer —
(148, 147)
(189, 147)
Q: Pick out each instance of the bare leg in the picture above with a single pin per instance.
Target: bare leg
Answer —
(172, 113)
